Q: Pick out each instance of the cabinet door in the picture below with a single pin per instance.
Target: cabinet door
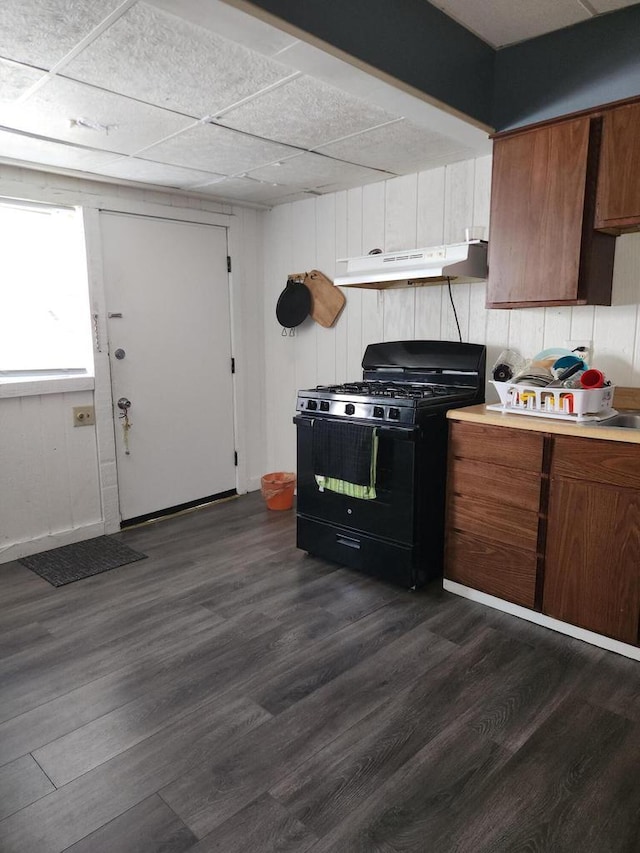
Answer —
(618, 202)
(592, 574)
(543, 248)
(537, 202)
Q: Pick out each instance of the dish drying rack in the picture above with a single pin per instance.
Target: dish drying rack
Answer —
(571, 404)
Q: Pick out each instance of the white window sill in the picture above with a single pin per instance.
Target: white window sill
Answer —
(30, 386)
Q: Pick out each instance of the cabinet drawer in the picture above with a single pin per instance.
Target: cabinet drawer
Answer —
(517, 528)
(495, 483)
(511, 448)
(609, 462)
(496, 569)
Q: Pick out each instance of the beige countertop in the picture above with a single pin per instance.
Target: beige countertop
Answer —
(482, 415)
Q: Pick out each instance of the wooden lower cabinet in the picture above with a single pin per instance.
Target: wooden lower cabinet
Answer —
(555, 529)
(592, 566)
(493, 502)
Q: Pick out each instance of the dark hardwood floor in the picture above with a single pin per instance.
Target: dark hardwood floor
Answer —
(232, 694)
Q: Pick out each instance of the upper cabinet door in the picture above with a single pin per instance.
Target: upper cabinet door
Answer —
(618, 203)
(543, 250)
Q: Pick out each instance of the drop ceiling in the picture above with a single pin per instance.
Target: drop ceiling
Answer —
(504, 22)
(196, 95)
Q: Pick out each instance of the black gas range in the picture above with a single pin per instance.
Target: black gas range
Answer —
(393, 528)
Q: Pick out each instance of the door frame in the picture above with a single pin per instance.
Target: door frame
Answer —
(103, 397)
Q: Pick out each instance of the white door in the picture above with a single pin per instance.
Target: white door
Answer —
(167, 293)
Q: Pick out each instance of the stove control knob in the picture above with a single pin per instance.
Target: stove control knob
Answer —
(394, 414)
(378, 411)
(349, 409)
(312, 405)
(324, 405)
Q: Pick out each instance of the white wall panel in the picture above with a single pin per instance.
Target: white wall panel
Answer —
(342, 325)
(427, 209)
(401, 213)
(325, 210)
(303, 258)
(49, 470)
(280, 368)
(458, 200)
(399, 314)
(430, 214)
(355, 211)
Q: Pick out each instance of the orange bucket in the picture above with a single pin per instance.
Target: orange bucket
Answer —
(277, 489)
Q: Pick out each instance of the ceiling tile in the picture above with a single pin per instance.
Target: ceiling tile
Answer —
(401, 147)
(147, 172)
(217, 149)
(312, 171)
(164, 60)
(53, 108)
(502, 22)
(41, 33)
(611, 5)
(230, 23)
(28, 149)
(244, 189)
(15, 79)
(305, 112)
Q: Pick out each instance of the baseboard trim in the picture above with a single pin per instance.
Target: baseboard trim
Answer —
(545, 621)
(51, 540)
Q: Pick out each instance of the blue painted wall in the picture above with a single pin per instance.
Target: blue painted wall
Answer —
(584, 66)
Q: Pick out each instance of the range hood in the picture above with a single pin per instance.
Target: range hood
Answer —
(464, 262)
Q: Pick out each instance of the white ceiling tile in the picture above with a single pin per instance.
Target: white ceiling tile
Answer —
(163, 60)
(19, 147)
(244, 189)
(230, 23)
(147, 172)
(41, 33)
(217, 149)
(611, 5)
(401, 147)
(15, 79)
(305, 112)
(52, 110)
(502, 22)
(312, 171)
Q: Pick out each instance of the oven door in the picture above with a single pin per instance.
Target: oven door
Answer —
(391, 515)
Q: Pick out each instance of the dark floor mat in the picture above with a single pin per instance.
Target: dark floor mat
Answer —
(81, 560)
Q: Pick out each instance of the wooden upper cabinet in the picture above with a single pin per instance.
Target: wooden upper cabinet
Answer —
(543, 249)
(618, 200)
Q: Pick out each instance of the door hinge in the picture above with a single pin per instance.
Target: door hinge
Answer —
(235, 458)
(228, 263)
(233, 365)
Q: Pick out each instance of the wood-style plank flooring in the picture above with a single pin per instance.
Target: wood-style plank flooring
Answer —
(232, 694)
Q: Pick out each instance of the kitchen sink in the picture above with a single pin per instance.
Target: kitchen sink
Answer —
(626, 420)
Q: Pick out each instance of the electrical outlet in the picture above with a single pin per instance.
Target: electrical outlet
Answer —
(84, 415)
(584, 347)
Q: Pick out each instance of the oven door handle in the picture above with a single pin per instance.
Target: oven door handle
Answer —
(407, 433)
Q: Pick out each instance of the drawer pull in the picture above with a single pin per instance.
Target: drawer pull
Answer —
(350, 543)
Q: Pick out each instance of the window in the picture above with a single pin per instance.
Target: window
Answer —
(45, 323)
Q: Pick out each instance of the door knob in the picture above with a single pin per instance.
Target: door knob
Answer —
(119, 354)
(123, 403)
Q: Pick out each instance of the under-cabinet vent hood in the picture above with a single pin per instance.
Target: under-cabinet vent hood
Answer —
(464, 262)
